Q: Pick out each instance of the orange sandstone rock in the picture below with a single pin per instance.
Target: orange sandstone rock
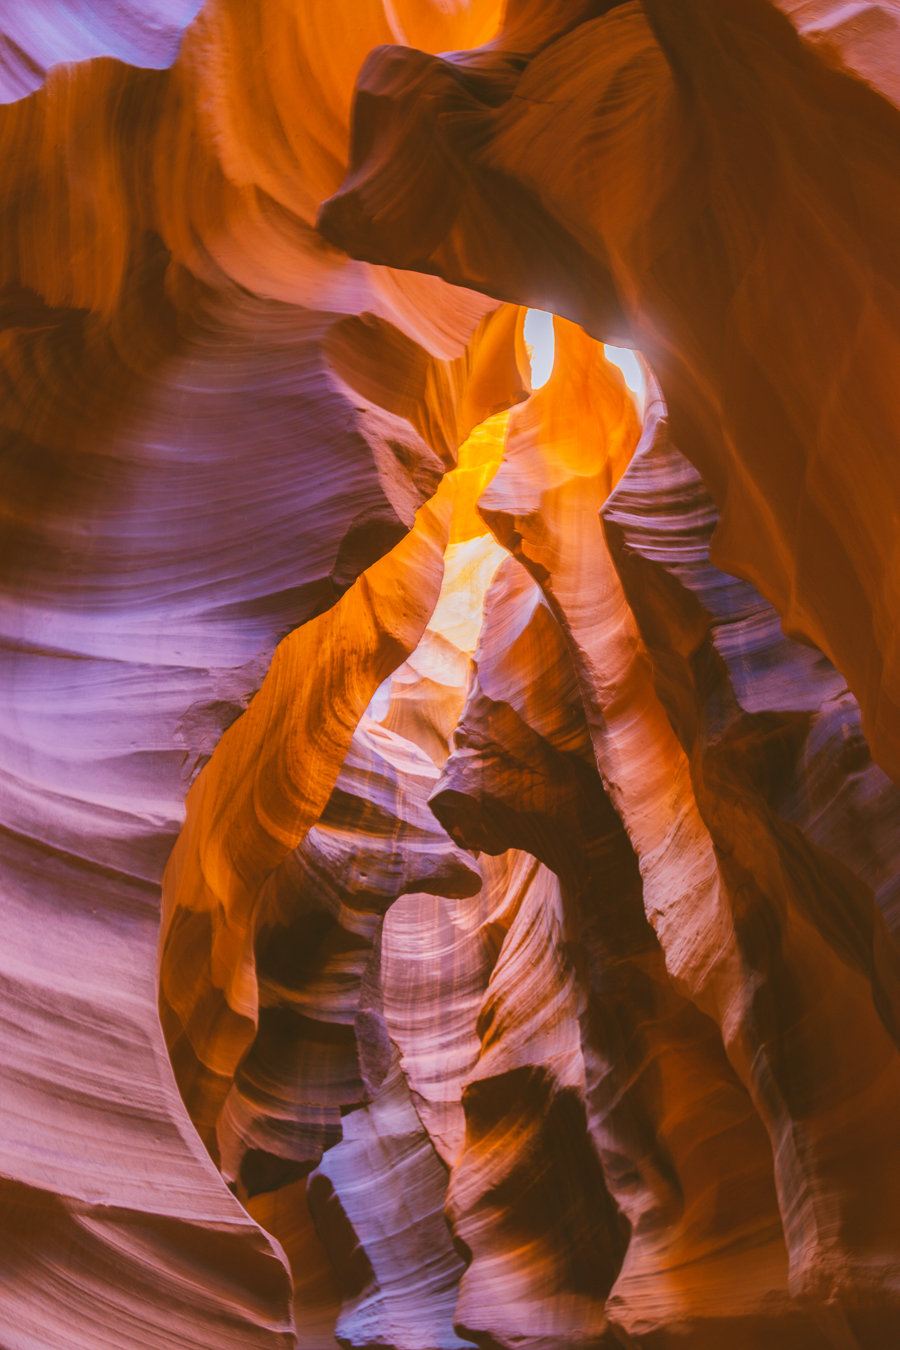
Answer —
(528, 965)
(691, 178)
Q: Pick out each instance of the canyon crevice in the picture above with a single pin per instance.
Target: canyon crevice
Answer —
(449, 809)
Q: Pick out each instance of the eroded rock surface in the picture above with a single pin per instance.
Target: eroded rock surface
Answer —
(204, 445)
(695, 179)
(526, 973)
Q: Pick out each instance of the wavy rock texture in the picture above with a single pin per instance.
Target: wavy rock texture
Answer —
(268, 783)
(523, 773)
(36, 36)
(626, 1128)
(786, 787)
(322, 1048)
(716, 872)
(526, 973)
(586, 162)
(204, 444)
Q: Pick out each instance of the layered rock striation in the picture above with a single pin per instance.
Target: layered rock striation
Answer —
(693, 179)
(449, 896)
(603, 1037)
(204, 445)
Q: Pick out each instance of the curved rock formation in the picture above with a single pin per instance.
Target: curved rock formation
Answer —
(35, 36)
(693, 179)
(443, 906)
(204, 445)
(716, 868)
(639, 1046)
(781, 773)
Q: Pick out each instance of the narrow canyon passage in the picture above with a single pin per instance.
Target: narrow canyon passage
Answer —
(534, 1026)
(449, 822)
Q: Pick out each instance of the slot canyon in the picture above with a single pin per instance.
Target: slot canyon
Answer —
(450, 646)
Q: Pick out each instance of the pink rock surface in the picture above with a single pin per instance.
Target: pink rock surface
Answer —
(444, 906)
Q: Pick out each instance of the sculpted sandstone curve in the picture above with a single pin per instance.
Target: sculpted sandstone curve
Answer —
(695, 180)
(200, 455)
(442, 907)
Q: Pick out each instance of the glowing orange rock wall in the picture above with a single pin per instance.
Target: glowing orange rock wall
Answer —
(190, 472)
(441, 906)
(692, 178)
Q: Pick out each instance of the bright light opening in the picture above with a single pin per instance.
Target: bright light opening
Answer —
(540, 345)
(630, 367)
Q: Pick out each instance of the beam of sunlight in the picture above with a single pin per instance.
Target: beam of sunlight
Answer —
(540, 344)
